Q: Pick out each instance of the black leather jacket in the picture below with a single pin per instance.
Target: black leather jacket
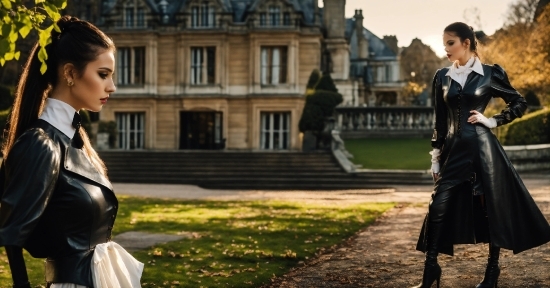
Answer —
(452, 111)
(55, 204)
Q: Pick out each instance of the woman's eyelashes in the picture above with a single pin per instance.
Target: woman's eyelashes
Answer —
(104, 75)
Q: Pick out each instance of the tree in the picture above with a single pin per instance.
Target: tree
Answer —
(18, 20)
(522, 48)
(412, 90)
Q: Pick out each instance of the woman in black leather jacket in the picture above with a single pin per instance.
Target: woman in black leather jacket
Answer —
(478, 195)
(56, 200)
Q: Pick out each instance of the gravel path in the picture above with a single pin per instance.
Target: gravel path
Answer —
(384, 255)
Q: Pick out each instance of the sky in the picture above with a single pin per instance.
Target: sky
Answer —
(426, 19)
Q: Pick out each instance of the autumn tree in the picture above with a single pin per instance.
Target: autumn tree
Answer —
(522, 47)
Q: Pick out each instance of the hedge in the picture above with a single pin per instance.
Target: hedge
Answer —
(533, 128)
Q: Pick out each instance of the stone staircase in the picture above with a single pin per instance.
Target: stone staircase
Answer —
(247, 170)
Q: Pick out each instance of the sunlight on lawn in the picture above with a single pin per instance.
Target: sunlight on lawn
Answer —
(390, 153)
(236, 244)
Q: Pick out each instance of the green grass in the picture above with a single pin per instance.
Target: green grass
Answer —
(390, 153)
(236, 244)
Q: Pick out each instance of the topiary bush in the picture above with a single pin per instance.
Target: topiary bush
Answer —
(533, 128)
(108, 127)
(86, 123)
(314, 78)
(320, 104)
(327, 84)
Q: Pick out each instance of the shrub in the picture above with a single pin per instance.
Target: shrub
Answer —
(533, 128)
(327, 84)
(314, 78)
(327, 101)
(108, 127)
(85, 122)
(532, 99)
(313, 119)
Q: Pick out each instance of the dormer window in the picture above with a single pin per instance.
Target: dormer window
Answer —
(133, 16)
(202, 16)
(272, 18)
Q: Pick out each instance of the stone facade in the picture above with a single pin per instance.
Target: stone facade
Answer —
(229, 74)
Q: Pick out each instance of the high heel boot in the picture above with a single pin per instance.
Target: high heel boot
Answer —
(432, 271)
(493, 271)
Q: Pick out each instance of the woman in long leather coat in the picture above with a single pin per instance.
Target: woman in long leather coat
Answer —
(478, 195)
(56, 201)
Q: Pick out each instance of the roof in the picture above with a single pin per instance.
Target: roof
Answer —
(378, 48)
(239, 8)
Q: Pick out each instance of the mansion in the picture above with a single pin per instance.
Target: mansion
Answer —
(232, 74)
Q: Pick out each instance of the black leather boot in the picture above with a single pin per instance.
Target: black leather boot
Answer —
(432, 271)
(493, 271)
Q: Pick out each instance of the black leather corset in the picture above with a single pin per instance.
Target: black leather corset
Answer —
(460, 101)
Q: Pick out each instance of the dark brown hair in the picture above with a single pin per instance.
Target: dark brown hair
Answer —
(78, 43)
(464, 31)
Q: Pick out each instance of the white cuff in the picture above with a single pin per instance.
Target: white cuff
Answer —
(435, 155)
(492, 123)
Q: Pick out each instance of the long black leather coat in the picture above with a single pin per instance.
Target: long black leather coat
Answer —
(55, 204)
(473, 162)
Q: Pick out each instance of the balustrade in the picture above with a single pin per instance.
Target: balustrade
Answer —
(384, 118)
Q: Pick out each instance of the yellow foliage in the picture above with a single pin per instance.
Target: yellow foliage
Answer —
(523, 50)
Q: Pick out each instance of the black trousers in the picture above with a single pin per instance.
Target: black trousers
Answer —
(439, 205)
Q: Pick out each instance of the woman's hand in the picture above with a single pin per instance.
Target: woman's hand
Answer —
(477, 117)
(435, 176)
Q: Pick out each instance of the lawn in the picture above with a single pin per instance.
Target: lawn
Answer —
(390, 153)
(235, 244)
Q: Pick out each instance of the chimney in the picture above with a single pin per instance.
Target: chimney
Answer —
(391, 40)
(362, 42)
(334, 18)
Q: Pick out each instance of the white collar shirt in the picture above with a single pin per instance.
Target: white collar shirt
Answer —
(60, 115)
(460, 73)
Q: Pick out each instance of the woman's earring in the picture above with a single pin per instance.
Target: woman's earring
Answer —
(70, 83)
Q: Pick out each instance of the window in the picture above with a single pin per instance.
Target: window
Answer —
(202, 16)
(286, 19)
(273, 65)
(274, 16)
(131, 130)
(134, 16)
(140, 17)
(384, 73)
(263, 19)
(129, 17)
(275, 134)
(203, 65)
(130, 66)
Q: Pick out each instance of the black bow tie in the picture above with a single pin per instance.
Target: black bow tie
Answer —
(77, 139)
